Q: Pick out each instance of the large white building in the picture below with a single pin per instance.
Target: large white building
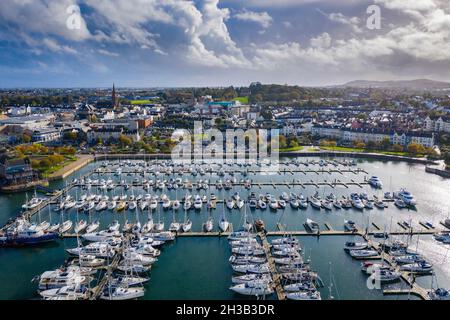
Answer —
(350, 135)
(441, 124)
(46, 135)
(31, 122)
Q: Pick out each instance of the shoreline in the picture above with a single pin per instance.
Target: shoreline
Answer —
(72, 167)
(320, 153)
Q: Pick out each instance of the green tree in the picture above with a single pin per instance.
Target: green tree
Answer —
(124, 140)
(371, 145)
(26, 138)
(397, 148)
(415, 148)
(71, 135)
(385, 143)
(45, 163)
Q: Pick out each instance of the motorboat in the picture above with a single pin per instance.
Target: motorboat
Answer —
(375, 182)
(312, 225)
(95, 249)
(356, 201)
(406, 196)
(91, 261)
(350, 226)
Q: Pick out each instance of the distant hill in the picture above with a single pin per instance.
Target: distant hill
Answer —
(399, 84)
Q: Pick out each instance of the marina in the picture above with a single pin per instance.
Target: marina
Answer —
(157, 191)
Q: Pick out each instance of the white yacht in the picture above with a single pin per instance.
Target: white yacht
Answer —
(80, 226)
(253, 288)
(406, 196)
(92, 227)
(186, 227)
(122, 293)
(312, 225)
(304, 295)
(375, 182)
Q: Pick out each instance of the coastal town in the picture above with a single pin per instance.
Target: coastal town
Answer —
(225, 158)
(42, 131)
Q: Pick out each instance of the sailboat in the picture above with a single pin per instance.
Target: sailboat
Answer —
(174, 226)
(209, 224)
(148, 226)
(187, 224)
(159, 226)
(223, 223)
(247, 225)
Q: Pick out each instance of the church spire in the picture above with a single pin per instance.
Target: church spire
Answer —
(114, 97)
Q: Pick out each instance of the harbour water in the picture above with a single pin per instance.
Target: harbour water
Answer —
(198, 268)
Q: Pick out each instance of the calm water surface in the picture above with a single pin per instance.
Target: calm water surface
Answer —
(198, 268)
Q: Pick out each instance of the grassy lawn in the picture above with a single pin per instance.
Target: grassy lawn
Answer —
(243, 100)
(313, 150)
(298, 148)
(348, 149)
(136, 102)
(48, 171)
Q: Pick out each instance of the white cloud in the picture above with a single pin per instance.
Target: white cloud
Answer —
(46, 17)
(322, 41)
(107, 53)
(262, 18)
(54, 46)
(338, 17)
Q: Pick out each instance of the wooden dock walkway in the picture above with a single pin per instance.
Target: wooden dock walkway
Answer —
(98, 290)
(414, 288)
(276, 276)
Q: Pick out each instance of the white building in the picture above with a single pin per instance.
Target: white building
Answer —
(46, 135)
(350, 135)
(438, 125)
(32, 122)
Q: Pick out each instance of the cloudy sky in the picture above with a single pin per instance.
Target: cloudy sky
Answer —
(148, 43)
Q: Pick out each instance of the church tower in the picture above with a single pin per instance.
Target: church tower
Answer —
(114, 100)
